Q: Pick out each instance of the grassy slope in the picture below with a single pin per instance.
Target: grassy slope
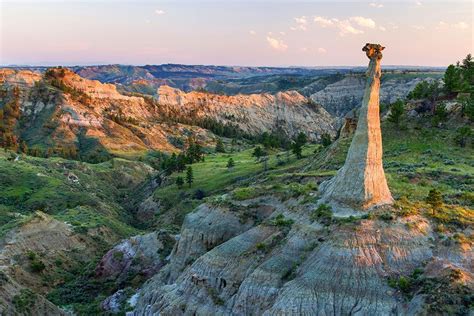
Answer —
(32, 184)
(416, 160)
(213, 177)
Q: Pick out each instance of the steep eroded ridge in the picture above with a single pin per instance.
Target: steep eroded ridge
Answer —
(63, 109)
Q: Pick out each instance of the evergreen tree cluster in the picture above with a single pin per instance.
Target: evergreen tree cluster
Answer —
(460, 77)
(274, 139)
(397, 111)
(326, 140)
(425, 90)
(122, 119)
(220, 146)
(177, 162)
(297, 146)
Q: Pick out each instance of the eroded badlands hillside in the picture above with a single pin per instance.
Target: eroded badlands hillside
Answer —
(125, 236)
(61, 108)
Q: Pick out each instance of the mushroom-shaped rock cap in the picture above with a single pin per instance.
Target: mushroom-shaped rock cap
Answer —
(373, 51)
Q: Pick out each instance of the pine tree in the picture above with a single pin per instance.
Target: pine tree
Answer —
(326, 140)
(179, 182)
(232, 145)
(23, 147)
(258, 152)
(452, 79)
(396, 112)
(467, 67)
(180, 162)
(230, 163)
(301, 139)
(440, 114)
(220, 146)
(435, 199)
(463, 135)
(297, 150)
(50, 152)
(194, 152)
(189, 176)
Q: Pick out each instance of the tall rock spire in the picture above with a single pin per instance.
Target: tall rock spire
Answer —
(361, 182)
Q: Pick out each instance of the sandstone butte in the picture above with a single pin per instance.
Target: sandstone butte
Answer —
(361, 182)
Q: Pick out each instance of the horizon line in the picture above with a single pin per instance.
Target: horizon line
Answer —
(204, 65)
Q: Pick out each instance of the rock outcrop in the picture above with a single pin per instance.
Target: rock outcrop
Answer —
(341, 97)
(288, 112)
(223, 266)
(143, 254)
(361, 182)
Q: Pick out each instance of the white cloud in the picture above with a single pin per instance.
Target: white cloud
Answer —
(345, 27)
(376, 5)
(323, 22)
(282, 33)
(352, 25)
(460, 25)
(252, 32)
(277, 44)
(159, 12)
(301, 20)
(418, 3)
(381, 28)
(300, 27)
(418, 27)
(322, 50)
(301, 24)
(364, 22)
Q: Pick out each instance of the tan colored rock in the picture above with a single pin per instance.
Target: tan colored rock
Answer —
(288, 111)
(361, 182)
(24, 78)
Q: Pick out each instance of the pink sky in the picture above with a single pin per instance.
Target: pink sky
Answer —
(256, 33)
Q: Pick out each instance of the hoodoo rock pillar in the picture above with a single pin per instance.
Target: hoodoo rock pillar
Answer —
(361, 182)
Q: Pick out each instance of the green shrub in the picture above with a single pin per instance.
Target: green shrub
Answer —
(246, 193)
(322, 213)
(3, 278)
(387, 216)
(404, 284)
(281, 221)
(24, 300)
(37, 266)
(401, 283)
(31, 255)
(261, 247)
